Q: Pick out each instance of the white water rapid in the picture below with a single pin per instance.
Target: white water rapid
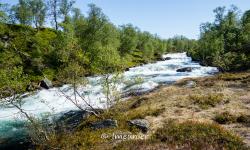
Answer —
(53, 102)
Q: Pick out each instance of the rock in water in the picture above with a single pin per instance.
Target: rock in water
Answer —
(167, 58)
(46, 83)
(127, 69)
(70, 120)
(163, 59)
(186, 69)
(108, 123)
(141, 124)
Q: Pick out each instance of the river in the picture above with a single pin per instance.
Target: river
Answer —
(52, 101)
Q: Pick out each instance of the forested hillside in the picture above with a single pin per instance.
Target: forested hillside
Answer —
(31, 50)
(225, 43)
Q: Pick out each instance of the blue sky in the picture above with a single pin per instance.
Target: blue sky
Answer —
(163, 17)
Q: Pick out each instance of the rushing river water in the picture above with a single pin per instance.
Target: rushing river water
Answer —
(52, 100)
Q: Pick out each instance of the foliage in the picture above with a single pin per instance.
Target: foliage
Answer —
(12, 80)
(128, 38)
(3, 15)
(22, 12)
(38, 9)
(224, 43)
(65, 8)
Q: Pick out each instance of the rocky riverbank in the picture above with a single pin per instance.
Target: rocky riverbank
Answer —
(218, 104)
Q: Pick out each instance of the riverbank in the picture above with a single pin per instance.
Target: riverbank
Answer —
(218, 104)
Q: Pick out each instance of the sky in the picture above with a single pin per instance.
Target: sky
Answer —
(165, 18)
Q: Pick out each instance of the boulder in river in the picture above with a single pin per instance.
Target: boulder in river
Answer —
(71, 119)
(127, 69)
(167, 58)
(186, 69)
(46, 83)
(141, 124)
(108, 123)
(163, 59)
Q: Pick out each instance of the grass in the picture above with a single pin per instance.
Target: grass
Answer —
(234, 76)
(187, 135)
(206, 101)
(244, 119)
(225, 118)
